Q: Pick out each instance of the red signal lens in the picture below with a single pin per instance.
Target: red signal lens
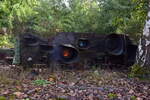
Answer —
(66, 53)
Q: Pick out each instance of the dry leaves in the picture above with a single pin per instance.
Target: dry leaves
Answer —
(77, 85)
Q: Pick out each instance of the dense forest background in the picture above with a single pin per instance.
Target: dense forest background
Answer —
(48, 17)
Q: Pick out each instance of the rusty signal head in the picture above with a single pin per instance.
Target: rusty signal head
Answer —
(30, 40)
(68, 53)
(114, 44)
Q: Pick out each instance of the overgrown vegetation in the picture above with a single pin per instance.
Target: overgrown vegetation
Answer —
(140, 72)
(51, 16)
(2, 98)
(112, 96)
(41, 82)
(46, 17)
(6, 41)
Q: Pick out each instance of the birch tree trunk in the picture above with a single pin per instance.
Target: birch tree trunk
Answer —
(143, 54)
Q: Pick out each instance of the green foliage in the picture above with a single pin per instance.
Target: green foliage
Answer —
(125, 16)
(51, 16)
(112, 96)
(2, 98)
(15, 13)
(61, 99)
(133, 97)
(6, 41)
(26, 99)
(41, 82)
(137, 15)
(138, 71)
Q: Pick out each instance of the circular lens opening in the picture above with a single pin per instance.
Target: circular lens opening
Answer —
(67, 53)
(83, 43)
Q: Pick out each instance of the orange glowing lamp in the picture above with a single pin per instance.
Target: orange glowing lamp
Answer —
(66, 53)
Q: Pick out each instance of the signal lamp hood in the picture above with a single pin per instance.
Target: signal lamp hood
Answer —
(68, 53)
(30, 40)
(114, 44)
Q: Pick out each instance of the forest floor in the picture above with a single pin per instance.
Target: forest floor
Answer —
(98, 84)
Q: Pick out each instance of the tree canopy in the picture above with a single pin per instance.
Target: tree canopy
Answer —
(51, 16)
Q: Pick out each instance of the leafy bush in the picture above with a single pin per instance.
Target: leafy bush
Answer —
(2, 98)
(138, 71)
(133, 97)
(41, 82)
(51, 16)
(112, 96)
(6, 41)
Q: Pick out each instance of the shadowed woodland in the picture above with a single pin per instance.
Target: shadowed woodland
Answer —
(97, 72)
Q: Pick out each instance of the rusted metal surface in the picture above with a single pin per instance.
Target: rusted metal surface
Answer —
(73, 48)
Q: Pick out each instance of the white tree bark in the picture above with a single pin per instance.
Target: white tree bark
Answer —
(143, 54)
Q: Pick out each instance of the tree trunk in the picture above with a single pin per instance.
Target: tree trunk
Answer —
(143, 54)
(16, 59)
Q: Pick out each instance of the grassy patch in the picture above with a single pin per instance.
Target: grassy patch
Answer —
(8, 77)
(8, 81)
(26, 99)
(2, 98)
(112, 96)
(61, 99)
(133, 97)
(41, 82)
(139, 72)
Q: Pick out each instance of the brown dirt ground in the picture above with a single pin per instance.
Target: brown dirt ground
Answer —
(98, 84)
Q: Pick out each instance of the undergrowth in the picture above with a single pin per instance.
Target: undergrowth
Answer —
(6, 41)
(139, 72)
